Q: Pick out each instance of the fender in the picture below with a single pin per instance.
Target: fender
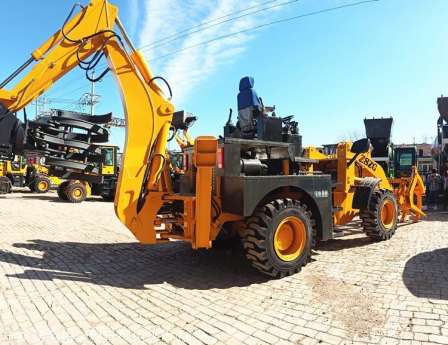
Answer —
(363, 192)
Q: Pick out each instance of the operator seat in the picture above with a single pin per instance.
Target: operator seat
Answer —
(249, 108)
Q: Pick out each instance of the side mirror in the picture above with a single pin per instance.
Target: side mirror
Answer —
(360, 146)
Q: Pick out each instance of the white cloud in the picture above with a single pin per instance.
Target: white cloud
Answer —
(186, 69)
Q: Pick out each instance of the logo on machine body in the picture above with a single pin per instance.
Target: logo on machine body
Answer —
(368, 162)
(321, 194)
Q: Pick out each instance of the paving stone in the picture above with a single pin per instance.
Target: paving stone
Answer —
(72, 274)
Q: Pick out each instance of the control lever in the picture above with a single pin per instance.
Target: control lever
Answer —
(229, 120)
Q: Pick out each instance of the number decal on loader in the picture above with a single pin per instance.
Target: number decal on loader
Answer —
(368, 162)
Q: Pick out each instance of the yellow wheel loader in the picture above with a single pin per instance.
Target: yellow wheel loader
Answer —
(252, 182)
(16, 170)
(102, 184)
(21, 173)
(372, 188)
(5, 183)
(39, 178)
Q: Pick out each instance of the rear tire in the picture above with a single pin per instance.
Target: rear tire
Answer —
(278, 238)
(108, 197)
(75, 192)
(381, 218)
(5, 185)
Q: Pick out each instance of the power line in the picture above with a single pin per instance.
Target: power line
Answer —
(69, 82)
(211, 21)
(257, 27)
(189, 32)
(64, 92)
(254, 28)
(61, 100)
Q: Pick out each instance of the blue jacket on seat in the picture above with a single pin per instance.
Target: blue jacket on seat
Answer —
(247, 96)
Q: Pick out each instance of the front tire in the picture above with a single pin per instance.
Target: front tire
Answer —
(75, 192)
(380, 219)
(41, 185)
(278, 238)
(61, 190)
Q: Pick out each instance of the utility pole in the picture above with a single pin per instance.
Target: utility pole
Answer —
(90, 99)
(41, 106)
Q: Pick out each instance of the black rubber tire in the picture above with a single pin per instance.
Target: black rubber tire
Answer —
(258, 240)
(371, 217)
(31, 187)
(61, 190)
(227, 238)
(70, 189)
(6, 184)
(36, 183)
(108, 197)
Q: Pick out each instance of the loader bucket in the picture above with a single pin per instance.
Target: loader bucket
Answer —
(442, 105)
(379, 133)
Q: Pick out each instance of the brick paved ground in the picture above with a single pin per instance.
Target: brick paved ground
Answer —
(71, 274)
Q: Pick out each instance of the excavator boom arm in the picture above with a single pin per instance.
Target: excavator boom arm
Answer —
(81, 41)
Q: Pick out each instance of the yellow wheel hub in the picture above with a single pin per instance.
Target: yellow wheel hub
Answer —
(77, 193)
(42, 185)
(290, 238)
(388, 214)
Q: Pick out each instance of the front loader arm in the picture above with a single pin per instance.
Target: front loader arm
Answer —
(148, 114)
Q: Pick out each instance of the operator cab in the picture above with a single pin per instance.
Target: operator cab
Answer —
(405, 158)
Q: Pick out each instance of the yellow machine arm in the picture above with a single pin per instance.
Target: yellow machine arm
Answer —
(82, 40)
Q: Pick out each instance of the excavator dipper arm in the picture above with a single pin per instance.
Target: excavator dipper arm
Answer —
(84, 37)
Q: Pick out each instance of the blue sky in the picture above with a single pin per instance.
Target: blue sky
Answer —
(386, 58)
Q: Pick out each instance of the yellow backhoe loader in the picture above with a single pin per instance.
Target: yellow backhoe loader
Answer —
(251, 182)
